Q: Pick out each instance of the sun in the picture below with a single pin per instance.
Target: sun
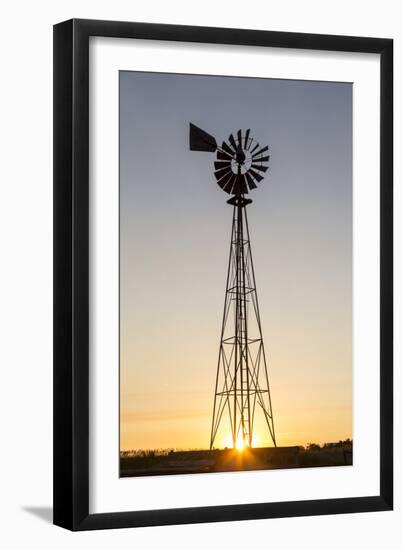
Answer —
(240, 445)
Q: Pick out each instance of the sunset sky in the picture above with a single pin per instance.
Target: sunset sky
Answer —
(174, 239)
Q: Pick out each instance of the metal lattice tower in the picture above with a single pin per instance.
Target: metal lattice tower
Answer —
(242, 383)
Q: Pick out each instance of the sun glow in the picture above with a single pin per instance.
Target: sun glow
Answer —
(240, 444)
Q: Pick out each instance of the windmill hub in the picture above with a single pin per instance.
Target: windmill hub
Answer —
(240, 157)
(241, 163)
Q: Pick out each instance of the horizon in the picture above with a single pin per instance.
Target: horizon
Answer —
(189, 449)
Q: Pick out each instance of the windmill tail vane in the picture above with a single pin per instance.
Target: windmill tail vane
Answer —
(242, 390)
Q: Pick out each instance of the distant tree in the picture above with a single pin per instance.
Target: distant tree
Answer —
(313, 447)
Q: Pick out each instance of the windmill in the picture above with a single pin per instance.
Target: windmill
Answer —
(242, 384)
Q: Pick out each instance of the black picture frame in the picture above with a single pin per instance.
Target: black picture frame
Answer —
(71, 274)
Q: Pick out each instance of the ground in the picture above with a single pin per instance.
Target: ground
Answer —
(143, 463)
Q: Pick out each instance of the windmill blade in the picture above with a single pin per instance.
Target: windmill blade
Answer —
(222, 172)
(259, 167)
(236, 187)
(239, 139)
(240, 186)
(262, 150)
(255, 147)
(227, 182)
(222, 164)
(221, 155)
(232, 142)
(227, 149)
(222, 182)
(262, 159)
(257, 176)
(251, 183)
(199, 140)
(229, 188)
(246, 138)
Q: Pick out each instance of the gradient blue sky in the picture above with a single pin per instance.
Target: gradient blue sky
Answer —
(174, 237)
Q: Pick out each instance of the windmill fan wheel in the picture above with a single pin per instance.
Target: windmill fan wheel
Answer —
(240, 164)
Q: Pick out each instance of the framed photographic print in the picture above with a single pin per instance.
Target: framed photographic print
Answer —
(223, 274)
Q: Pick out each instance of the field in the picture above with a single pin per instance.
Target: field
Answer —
(142, 463)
